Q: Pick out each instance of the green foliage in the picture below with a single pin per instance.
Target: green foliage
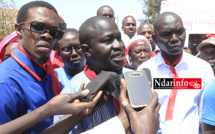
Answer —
(8, 15)
(151, 8)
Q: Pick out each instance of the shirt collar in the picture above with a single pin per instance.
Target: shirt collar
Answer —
(160, 60)
(29, 63)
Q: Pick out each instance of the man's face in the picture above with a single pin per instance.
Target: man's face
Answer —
(170, 35)
(194, 40)
(207, 53)
(39, 46)
(139, 53)
(107, 48)
(70, 51)
(146, 30)
(108, 12)
(129, 26)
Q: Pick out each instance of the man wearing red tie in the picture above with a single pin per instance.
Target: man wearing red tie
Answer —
(180, 108)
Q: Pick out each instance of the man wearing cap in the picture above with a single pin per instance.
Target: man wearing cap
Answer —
(207, 51)
(179, 112)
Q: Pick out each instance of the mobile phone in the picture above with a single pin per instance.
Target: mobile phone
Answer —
(139, 90)
(148, 74)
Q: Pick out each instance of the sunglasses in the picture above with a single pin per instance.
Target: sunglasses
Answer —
(63, 26)
(68, 49)
(41, 28)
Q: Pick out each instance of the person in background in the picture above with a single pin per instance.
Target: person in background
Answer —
(147, 30)
(180, 109)
(193, 42)
(139, 51)
(106, 11)
(7, 45)
(208, 109)
(207, 51)
(69, 48)
(54, 56)
(129, 29)
(187, 50)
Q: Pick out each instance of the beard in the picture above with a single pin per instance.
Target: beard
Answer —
(40, 60)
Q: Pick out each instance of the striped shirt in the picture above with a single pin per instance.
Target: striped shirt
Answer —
(101, 115)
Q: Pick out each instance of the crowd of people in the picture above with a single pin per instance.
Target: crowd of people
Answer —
(45, 67)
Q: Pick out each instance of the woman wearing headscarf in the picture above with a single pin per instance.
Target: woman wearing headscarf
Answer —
(139, 51)
(7, 45)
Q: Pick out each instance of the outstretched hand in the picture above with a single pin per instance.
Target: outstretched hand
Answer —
(70, 104)
(145, 121)
(60, 104)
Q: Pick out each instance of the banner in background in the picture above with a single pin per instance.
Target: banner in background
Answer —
(198, 15)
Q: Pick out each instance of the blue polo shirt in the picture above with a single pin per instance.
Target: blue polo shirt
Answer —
(63, 76)
(21, 93)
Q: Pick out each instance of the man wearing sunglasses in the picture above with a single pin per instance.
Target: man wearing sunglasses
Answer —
(27, 80)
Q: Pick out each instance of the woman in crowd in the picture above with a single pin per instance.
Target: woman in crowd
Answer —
(139, 51)
(7, 45)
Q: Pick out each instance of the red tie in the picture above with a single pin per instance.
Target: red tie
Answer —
(56, 86)
(91, 75)
(173, 94)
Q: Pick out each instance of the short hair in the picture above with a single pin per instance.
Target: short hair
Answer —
(144, 23)
(23, 12)
(71, 30)
(66, 31)
(127, 17)
(161, 16)
(89, 26)
(103, 7)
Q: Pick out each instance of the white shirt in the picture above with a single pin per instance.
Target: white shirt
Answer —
(188, 102)
(125, 39)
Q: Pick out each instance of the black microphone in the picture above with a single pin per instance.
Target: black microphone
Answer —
(148, 74)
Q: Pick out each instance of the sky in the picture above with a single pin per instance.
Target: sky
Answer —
(75, 12)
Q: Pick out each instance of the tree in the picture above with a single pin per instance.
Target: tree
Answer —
(8, 15)
(151, 8)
